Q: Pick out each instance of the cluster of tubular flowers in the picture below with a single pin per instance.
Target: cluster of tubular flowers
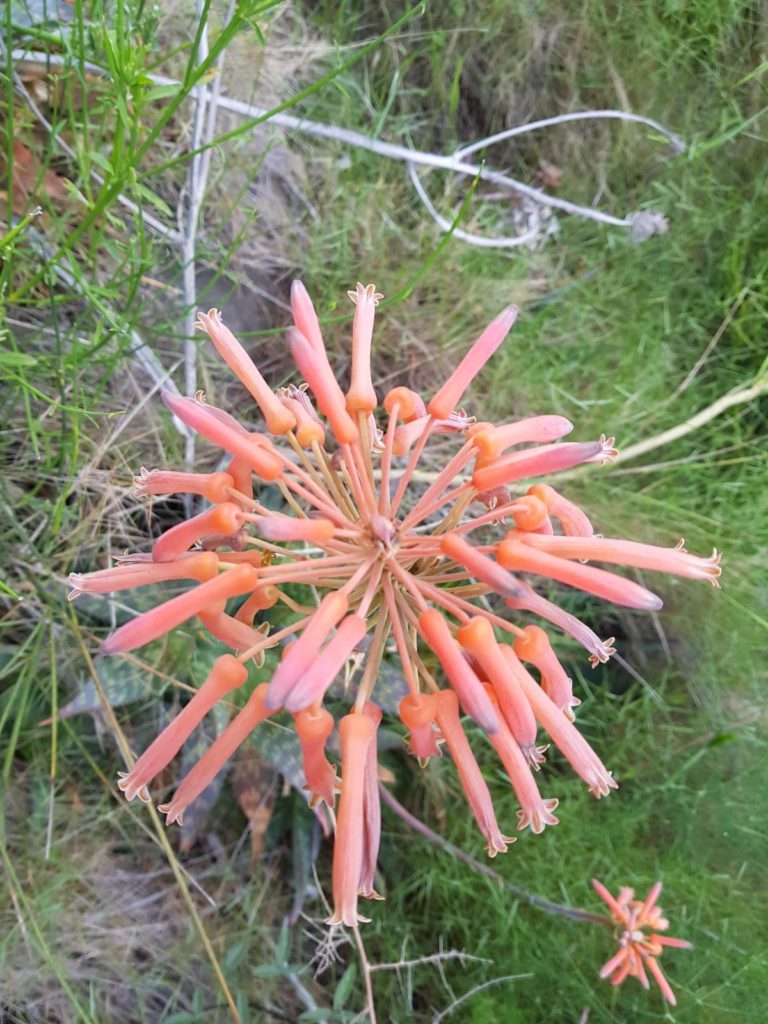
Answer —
(640, 946)
(391, 557)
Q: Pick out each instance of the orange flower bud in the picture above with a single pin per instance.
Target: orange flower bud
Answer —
(313, 727)
(417, 713)
(410, 404)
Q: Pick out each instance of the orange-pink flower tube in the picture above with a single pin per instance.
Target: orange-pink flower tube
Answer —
(445, 572)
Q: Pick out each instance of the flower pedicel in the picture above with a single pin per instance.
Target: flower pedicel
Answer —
(398, 562)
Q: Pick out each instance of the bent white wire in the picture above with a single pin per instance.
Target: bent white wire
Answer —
(455, 164)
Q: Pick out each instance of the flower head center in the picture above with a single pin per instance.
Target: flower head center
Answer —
(383, 532)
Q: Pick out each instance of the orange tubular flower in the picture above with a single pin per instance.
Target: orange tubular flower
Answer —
(470, 690)
(499, 664)
(492, 441)
(229, 630)
(534, 647)
(534, 811)
(549, 458)
(200, 566)
(217, 755)
(449, 395)
(220, 521)
(214, 487)
(316, 679)
(361, 395)
(640, 946)
(226, 675)
(574, 521)
(371, 811)
(167, 616)
(303, 653)
(472, 781)
(279, 419)
(357, 732)
(431, 569)
(523, 557)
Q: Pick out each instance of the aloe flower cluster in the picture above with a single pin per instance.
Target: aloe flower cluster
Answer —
(638, 923)
(434, 563)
